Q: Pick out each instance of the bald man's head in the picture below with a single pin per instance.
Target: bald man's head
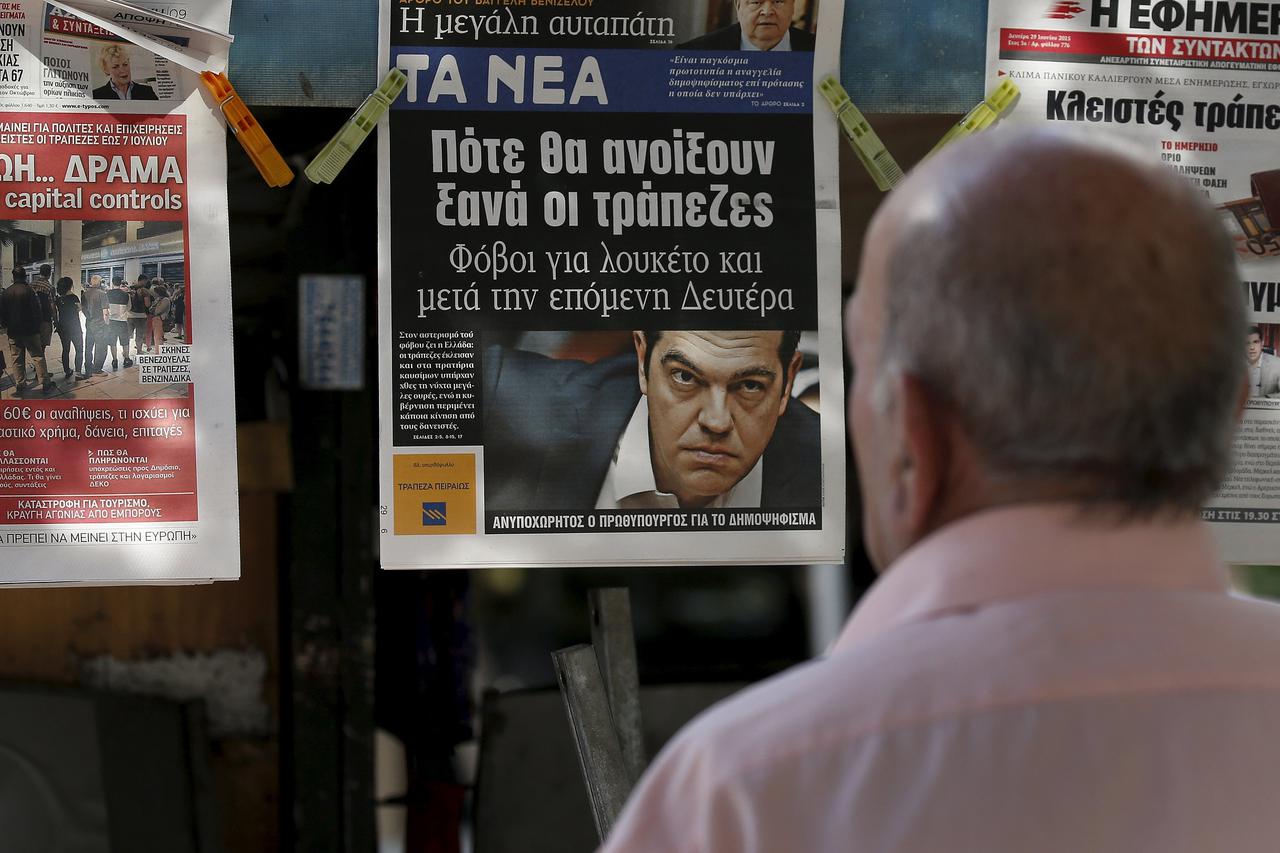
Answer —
(1076, 310)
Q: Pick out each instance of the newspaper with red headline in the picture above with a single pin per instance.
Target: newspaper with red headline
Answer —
(117, 433)
(1196, 85)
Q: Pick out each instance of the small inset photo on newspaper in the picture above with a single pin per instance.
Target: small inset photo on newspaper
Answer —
(754, 25)
(1261, 342)
(101, 318)
(1249, 493)
(698, 424)
(1254, 221)
(82, 60)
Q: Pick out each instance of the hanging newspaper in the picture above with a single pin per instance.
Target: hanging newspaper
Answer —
(609, 295)
(1196, 83)
(117, 434)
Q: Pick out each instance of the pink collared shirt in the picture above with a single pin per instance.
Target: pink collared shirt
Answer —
(1022, 680)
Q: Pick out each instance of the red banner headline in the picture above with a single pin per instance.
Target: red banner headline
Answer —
(97, 461)
(73, 165)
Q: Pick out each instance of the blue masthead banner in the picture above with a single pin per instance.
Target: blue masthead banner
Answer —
(629, 81)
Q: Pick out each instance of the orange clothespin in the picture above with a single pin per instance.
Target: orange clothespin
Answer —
(274, 170)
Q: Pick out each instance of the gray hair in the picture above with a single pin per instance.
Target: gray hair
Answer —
(1079, 310)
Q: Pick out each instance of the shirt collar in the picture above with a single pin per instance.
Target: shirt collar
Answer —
(632, 472)
(126, 93)
(744, 43)
(1033, 549)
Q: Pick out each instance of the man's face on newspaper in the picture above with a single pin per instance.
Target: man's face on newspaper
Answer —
(120, 70)
(1254, 347)
(764, 22)
(714, 400)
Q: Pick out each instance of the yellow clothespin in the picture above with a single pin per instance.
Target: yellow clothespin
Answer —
(274, 170)
(982, 116)
(877, 160)
(334, 156)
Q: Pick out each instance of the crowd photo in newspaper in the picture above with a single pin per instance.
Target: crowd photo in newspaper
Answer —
(90, 337)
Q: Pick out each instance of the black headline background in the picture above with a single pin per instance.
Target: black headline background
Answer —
(420, 248)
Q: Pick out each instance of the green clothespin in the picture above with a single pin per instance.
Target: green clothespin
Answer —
(877, 160)
(982, 116)
(334, 156)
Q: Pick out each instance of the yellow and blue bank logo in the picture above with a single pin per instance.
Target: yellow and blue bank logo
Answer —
(448, 478)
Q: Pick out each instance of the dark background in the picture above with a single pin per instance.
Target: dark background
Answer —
(787, 247)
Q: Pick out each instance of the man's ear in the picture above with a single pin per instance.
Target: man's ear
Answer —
(792, 369)
(928, 449)
(642, 353)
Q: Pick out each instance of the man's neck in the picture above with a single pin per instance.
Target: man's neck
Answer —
(783, 43)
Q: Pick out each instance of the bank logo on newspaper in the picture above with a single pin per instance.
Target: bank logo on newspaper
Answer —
(435, 493)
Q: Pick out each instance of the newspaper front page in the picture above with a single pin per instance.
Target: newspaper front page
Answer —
(117, 428)
(1196, 83)
(609, 293)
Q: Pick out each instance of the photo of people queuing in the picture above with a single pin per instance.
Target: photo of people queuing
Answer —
(102, 322)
